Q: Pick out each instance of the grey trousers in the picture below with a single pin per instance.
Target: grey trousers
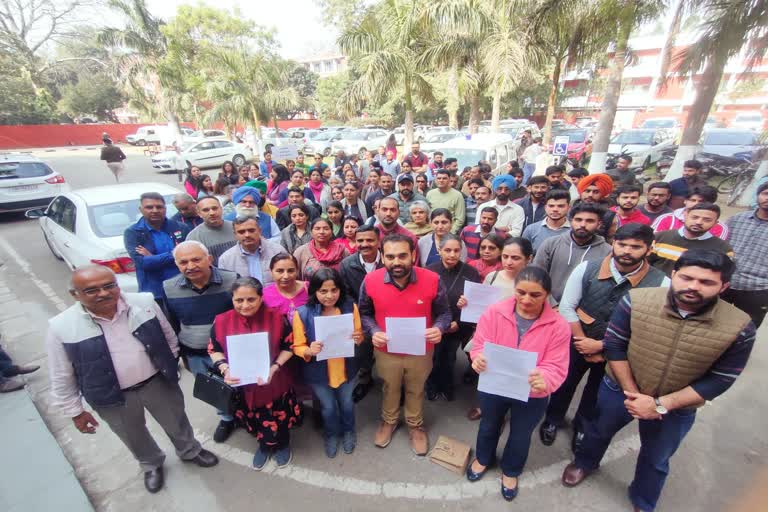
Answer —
(165, 402)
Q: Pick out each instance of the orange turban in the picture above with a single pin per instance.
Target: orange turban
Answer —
(602, 181)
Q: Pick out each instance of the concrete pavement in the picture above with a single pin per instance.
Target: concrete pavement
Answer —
(725, 449)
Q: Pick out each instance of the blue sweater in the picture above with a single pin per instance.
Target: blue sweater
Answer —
(152, 270)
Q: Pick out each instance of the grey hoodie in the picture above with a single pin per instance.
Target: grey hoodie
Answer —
(559, 255)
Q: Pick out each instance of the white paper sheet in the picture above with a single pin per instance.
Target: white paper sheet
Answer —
(479, 297)
(507, 371)
(335, 332)
(406, 335)
(248, 356)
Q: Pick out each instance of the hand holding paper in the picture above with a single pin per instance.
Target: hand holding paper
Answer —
(335, 334)
(249, 358)
(509, 372)
(477, 298)
(408, 335)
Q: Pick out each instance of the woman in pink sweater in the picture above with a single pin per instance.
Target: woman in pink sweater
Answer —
(525, 322)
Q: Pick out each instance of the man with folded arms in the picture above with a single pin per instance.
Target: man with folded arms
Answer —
(668, 352)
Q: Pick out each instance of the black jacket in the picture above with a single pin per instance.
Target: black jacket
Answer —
(352, 273)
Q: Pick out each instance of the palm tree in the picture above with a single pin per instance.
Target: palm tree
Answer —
(628, 15)
(730, 28)
(250, 89)
(384, 48)
(143, 46)
(572, 33)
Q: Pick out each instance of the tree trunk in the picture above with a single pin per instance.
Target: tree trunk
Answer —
(173, 124)
(611, 98)
(474, 112)
(666, 54)
(258, 148)
(697, 115)
(552, 101)
(496, 112)
(277, 131)
(408, 139)
(453, 101)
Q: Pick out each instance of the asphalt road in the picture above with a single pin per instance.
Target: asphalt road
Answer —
(718, 460)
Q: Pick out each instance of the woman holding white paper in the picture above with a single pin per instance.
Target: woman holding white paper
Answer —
(332, 380)
(268, 409)
(453, 274)
(525, 322)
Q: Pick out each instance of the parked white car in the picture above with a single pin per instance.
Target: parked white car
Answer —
(27, 182)
(206, 153)
(360, 141)
(321, 143)
(495, 148)
(204, 134)
(749, 120)
(86, 226)
(644, 145)
(435, 141)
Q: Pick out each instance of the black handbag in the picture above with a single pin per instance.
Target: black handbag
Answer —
(212, 390)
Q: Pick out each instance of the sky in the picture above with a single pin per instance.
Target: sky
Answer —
(297, 23)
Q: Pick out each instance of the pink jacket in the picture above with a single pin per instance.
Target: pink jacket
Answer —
(549, 336)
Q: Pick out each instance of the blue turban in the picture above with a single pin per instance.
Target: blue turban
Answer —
(243, 191)
(504, 179)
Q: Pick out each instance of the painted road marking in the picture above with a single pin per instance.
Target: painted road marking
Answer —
(26, 267)
(453, 492)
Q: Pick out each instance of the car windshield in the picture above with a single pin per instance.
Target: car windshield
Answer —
(749, 117)
(730, 139)
(641, 138)
(659, 123)
(355, 135)
(573, 135)
(187, 145)
(16, 170)
(108, 220)
(466, 157)
(324, 136)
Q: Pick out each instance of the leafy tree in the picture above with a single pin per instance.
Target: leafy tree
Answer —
(19, 104)
(329, 90)
(92, 95)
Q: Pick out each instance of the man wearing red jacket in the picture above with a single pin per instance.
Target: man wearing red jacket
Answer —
(402, 290)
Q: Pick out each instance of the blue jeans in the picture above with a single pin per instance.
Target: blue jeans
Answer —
(524, 416)
(5, 364)
(201, 364)
(659, 439)
(528, 172)
(337, 407)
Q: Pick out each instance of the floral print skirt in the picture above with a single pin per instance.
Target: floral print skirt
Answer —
(267, 422)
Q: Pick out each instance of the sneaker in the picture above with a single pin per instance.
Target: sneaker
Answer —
(384, 434)
(349, 442)
(331, 446)
(283, 456)
(419, 441)
(260, 458)
(223, 431)
(11, 384)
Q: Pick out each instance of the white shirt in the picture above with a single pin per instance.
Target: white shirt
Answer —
(511, 216)
(370, 267)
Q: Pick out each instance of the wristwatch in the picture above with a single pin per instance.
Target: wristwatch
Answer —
(660, 408)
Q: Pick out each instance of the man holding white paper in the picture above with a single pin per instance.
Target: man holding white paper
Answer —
(506, 336)
(398, 291)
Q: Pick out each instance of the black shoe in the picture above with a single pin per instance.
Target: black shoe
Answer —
(204, 459)
(548, 433)
(361, 390)
(509, 494)
(154, 480)
(449, 396)
(472, 476)
(577, 441)
(432, 395)
(223, 431)
(21, 370)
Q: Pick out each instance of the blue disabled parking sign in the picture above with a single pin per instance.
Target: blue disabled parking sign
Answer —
(560, 146)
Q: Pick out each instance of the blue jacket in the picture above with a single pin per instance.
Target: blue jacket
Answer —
(265, 223)
(151, 271)
(316, 372)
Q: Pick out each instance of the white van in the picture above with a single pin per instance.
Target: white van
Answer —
(146, 135)
(496, 148)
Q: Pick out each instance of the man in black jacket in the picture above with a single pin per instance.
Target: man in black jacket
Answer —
(353, 270)
(114, 157)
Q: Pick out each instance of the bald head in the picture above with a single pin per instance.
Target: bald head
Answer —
(96, 288)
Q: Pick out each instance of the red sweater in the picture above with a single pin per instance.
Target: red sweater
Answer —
(414, 301)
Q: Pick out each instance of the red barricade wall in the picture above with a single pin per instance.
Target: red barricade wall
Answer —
(56, 135)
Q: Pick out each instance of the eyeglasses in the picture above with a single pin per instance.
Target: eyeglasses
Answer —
(92, 292)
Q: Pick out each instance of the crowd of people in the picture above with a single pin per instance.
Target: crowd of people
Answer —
(659, 306)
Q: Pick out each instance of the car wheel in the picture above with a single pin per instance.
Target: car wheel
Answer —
(50, 246)
(327, 152)
(141, 142)
(238, 160)
(646, 162)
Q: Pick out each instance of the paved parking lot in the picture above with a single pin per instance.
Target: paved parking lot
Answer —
(726, 449)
